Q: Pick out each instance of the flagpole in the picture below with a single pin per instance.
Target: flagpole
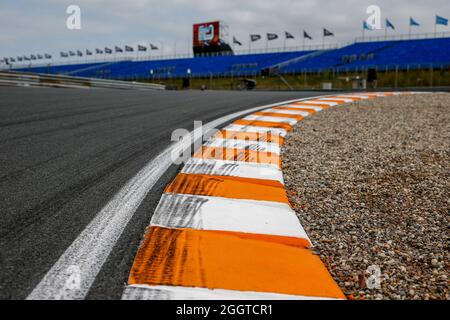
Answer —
(303, 41)
(323, 40)
(435, 26)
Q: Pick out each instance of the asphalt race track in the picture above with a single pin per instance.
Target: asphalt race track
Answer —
(65, 152)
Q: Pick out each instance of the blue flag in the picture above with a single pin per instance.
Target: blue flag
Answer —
(366, 26)
(441, 20)
(389, 24)
(413, 23)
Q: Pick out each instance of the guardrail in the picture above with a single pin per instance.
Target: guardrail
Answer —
(34, 79)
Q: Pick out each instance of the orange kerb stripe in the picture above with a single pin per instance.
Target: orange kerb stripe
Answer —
(313, 104)
(252, 136)
(336, 101)
(243, 155)
(228, 187)
(231, 261)
(267, 124)
(346, 97)
(281, 115)
(311, 111)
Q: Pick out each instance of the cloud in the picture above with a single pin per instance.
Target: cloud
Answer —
(36, 26)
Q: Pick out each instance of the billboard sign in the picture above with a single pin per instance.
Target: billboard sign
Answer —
(207, 34)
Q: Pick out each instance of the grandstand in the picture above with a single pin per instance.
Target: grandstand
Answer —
(381, 55)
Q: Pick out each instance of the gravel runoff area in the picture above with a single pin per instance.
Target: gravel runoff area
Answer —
(370, 182)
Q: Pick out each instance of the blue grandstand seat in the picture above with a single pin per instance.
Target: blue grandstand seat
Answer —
(379, 54)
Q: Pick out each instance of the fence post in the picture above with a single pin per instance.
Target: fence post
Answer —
(431, 75)
(396, 76)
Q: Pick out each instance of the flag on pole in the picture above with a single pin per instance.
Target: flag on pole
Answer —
(413, 23)
(88, 53)
(19, 59)
(63, 54)
(288, 35)
(48, 56)
(129, 49)
(389, 25)
(27, 59)
(39, 56)
(79, 53)
(153, 47)
(98, 51)
(272, 36)
(71, 53)
(306, 35)
(236, 41)
(12, 59)
(108, 51)
(366, 26)
(33, 57)
(118, 49)
(441, 20)
(327, 33)
(255, 37)
(142, 48)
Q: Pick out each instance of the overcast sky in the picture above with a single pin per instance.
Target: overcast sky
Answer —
(39, 26)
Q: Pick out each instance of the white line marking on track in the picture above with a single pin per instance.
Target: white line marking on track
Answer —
(92, 247)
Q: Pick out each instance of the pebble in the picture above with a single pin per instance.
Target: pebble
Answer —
(371, 187)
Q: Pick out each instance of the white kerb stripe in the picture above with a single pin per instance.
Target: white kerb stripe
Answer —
(244, 145)
(263, 130)
(300, 106)
(233, 169)
(293, 112)
(289, 121)
(223, 214)
(329, 103)
(146, 292)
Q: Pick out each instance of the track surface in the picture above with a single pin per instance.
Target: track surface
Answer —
(65, 152)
